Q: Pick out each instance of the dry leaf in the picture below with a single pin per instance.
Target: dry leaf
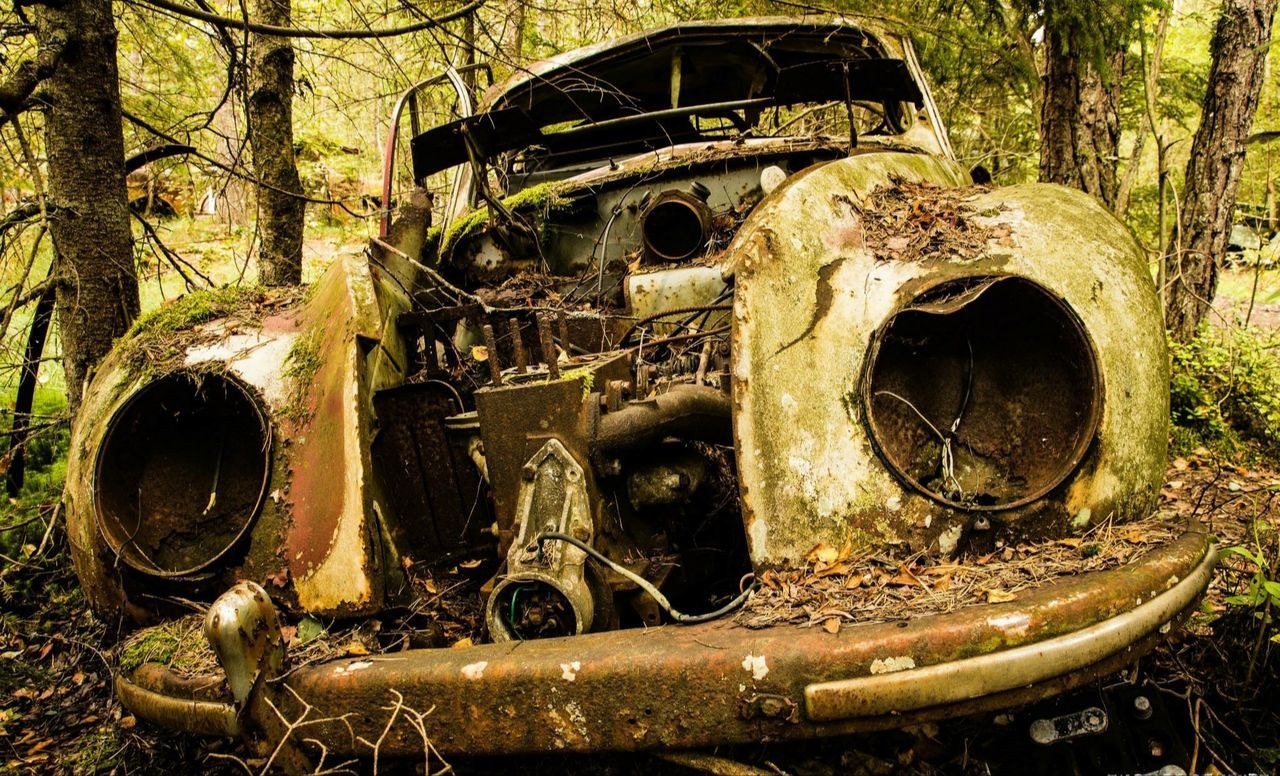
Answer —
(462, 642)
(357, 649)
(1000, 597)
(824, 553)
(479, 353)
(832, 625)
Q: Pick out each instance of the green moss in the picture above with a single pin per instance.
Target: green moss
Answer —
(300, 368)
(542, 198)
(587, 377)
(195, 308)
(179, 645)
(431, 241)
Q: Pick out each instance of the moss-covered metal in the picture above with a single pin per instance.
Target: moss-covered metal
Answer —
(808, 469)
(316, 542)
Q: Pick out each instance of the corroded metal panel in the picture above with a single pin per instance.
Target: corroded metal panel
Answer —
(810, 304)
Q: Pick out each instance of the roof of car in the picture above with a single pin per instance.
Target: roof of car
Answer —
(850, 28)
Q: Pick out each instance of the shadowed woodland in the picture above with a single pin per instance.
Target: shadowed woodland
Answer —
(177, 157)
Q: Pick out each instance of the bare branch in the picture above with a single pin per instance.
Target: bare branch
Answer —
(299, 32)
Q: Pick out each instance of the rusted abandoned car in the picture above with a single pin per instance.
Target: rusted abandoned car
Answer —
(692, 395)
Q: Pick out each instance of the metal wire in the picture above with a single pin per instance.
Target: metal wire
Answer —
(644, 584)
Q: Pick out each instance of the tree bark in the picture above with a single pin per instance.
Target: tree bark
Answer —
(1212, 179)
(270, 109)
(1079, 117)
(97, 297)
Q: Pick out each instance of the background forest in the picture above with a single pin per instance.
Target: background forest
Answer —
(1106, 97)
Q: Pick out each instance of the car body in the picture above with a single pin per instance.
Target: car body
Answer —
(657, 340)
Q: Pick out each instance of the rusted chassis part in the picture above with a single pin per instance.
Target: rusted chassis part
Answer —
(680, 687)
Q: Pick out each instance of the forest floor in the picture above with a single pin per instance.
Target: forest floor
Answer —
(1215, 679)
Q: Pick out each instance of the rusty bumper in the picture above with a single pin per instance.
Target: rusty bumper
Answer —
(682, 687)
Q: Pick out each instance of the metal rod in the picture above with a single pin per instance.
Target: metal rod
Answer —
(666, 114)
(548, 346)
(491, 344)
(517, 344)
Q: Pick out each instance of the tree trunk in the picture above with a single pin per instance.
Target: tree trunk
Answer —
(1217, 155)
(93, 247)
(1079, 118)
(511, 37)
(270, 108)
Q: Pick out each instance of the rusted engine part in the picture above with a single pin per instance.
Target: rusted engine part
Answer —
(604, 229)
(829, 422)
(430, 477)
(544, 590)
(550, 433)
(536, 429)
(676, 224)
(977, 413)
(182, 472)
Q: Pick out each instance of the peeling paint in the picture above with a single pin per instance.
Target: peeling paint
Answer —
(474, 670)
(1014, 624)
(889, 665)
(569, 671)
(756, 665)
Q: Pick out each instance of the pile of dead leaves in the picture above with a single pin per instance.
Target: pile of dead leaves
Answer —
(835, 588)
(921, 222)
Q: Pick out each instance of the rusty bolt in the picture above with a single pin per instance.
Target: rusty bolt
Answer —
(769, 706)
(529, 472)
(1142, 707)
(581, 533)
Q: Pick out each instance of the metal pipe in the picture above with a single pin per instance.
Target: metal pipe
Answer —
(206, 718)
(691, 412)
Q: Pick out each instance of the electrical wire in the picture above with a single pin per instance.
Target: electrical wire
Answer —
(644, 584)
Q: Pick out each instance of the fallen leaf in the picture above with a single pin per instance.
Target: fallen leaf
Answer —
(128, 722)
(461, 643)
(1000, 597)
(479, 353)
(832, 625)
(824, 553)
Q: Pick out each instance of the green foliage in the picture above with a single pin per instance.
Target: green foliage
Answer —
(1225, 391)
(1262, 594)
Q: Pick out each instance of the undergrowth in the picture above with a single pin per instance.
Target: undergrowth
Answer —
(1225, 393)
